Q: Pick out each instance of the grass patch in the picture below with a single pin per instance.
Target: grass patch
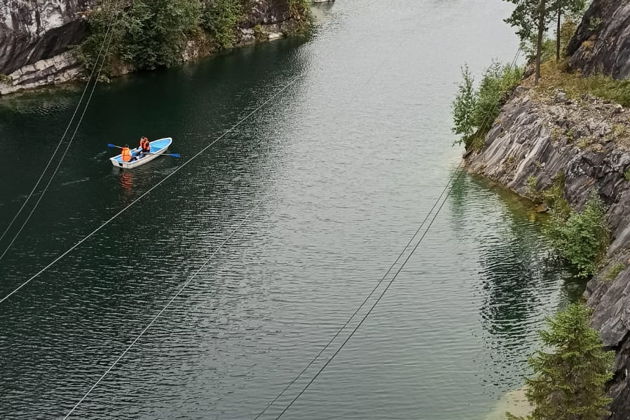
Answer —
(575, 85)
(614, 271)
(627, 175)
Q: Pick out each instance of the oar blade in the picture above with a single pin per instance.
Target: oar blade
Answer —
(113, 146)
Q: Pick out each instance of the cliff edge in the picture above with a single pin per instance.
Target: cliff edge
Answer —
(539, 137)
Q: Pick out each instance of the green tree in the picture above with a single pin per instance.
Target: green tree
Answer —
(570, 8)
(220, 19)
(531, 18)
(474, 111)
(157, 31)
(464, 107)
(583, 237)
(569, 379)
(147, 33)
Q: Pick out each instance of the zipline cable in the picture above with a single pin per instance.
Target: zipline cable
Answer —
(460, 169)
(181, 289)
(378, 284)
(179, 168)
(65, 133)
(378, 299)
(65, 152)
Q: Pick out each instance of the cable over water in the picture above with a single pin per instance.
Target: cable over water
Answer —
(92, 79)
(179, 168)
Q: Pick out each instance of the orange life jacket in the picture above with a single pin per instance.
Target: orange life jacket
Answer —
(126, 154)
(145, 145)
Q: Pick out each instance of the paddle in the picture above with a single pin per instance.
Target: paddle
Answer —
(175, 155)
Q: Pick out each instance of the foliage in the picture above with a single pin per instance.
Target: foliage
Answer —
(464, 106)
(567, 30)
(5, 78)
(220, 19)
(549, 45)
(299, 9)
(525, 18)
(626, 175)
(572, 9)
(300, 12)
(532, 190)
(576, 85)
(530, 18)
(582, 237)
(614, 271)
(554, 198)
(149, 34)
(569, 380)
(474, 111)
(154, 33)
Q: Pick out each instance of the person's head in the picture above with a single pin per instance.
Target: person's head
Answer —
(126, 145)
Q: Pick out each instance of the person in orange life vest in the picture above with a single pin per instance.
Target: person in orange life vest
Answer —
(145, 146)
(126, 154)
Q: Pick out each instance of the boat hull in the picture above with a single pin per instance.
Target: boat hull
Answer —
(158, 147)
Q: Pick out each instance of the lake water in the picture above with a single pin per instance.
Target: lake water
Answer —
(345, 163)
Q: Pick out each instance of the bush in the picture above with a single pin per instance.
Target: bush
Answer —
(582, 237)
(553, 197)
(157, 31)
(571, 372)
(220, 19)
(149, 34)
(474, 111)
(154, 33)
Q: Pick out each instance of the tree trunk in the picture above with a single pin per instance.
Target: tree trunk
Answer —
(558, 34)
(541, 34)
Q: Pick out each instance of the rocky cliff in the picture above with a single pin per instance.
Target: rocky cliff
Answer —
(539, 136)
(602, 41)
(543, 133)
(37, 38)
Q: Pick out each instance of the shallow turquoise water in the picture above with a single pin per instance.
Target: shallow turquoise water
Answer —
(347, 162)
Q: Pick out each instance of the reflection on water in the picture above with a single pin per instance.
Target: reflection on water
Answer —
(126, 181)
(520, 282)
(347, 161)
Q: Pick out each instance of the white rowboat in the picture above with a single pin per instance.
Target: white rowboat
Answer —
(157, 148)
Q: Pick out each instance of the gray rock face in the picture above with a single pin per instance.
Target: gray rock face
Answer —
(601, 43)
(36, 36)
(588, 140)
(34, 30)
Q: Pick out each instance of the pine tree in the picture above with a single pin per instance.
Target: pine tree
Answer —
(571, 8)
(569, 381)
(531, 17)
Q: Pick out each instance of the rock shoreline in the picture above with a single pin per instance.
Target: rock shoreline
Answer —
(37, 39)
(538, 137)
(541, 134)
